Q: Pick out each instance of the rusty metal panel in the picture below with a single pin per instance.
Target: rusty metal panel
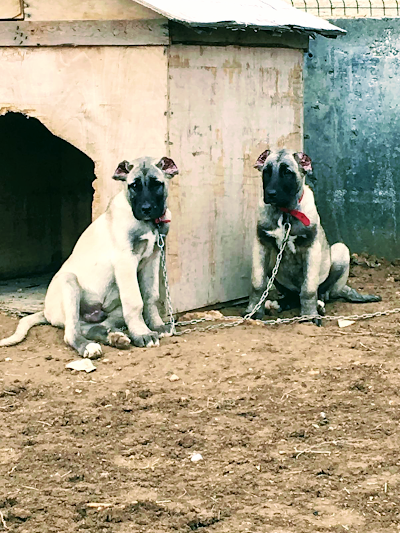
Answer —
(226, 106)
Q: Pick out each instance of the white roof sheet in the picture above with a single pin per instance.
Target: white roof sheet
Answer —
(266, 14)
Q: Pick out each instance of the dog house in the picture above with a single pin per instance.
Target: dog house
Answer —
(88, 83)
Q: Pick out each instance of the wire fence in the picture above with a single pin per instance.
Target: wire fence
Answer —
(349, 8)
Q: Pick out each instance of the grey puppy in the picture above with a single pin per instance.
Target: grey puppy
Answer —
(311, 271)
(111, 279)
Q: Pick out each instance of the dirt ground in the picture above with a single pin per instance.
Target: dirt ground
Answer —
(297, 427)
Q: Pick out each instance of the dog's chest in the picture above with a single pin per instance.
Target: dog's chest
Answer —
(278, 234)
(143, 243)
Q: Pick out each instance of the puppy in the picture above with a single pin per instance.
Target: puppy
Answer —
(111, 279)
(311, 271)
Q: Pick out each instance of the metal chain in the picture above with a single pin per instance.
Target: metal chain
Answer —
(237, 322)
(271, 280)
(233, 321)
(161, 245)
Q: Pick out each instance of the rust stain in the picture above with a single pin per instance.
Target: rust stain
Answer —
(292, 141)
(250, 156)
(234, 63)
(219, 181)
(211, 253)
(176, 61)
(175, 239)
(269, 81)
(292, 97)
(232, 67)
(218, 187)
(16, 109)
(213, 70)
(294, 93)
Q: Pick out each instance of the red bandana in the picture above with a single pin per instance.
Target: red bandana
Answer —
(165, 218)
(297, 214)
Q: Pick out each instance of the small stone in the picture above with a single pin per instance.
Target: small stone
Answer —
(342, 323)
(85, 365)
(8, 359)
(196, 457)
(21, 514)
(145, 394)
(174, 377)
(187, 441)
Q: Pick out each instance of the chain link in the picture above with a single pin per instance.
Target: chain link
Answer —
(161, 245)
(237, 321)
(233, 321)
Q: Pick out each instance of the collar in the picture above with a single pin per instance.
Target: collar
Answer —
(296, 213)
(165, 218)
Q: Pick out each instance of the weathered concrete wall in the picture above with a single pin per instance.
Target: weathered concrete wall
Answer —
(352, 133)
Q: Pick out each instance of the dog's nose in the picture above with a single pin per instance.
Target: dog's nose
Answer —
(146, 208)
(271, 193)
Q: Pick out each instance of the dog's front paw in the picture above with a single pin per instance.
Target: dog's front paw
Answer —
(165, 330)
(93, 351)
(321, 307)
(146, 341)
(118, 339)
(317, 322)
(258, 315)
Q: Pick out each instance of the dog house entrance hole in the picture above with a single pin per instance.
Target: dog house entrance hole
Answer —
(46, 198)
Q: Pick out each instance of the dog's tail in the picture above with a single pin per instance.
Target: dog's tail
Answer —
(351, 295)
(25, 324)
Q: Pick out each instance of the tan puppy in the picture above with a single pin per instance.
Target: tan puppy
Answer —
(111, 279)
(310, 270)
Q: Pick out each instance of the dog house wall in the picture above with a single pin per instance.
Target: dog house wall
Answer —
(118, 89)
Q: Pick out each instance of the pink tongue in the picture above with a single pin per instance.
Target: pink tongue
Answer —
(166, 216)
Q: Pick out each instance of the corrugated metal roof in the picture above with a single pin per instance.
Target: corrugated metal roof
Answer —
(263, 14)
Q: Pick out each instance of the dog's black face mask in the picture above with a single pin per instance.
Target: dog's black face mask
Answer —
(283, 176)
(280, 184)
(147, 185)
(147, 198)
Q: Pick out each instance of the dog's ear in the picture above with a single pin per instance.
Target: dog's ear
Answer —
(122, 170)
(261, 159)
(303, 161)
(168, 166)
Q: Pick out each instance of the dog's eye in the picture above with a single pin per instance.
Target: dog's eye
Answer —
(267, 172)
(156, 185)
(136, 185)
(288, 173)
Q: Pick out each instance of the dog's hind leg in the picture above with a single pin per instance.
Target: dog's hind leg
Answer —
(335, 286)
(71, 300)
(108, 332)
